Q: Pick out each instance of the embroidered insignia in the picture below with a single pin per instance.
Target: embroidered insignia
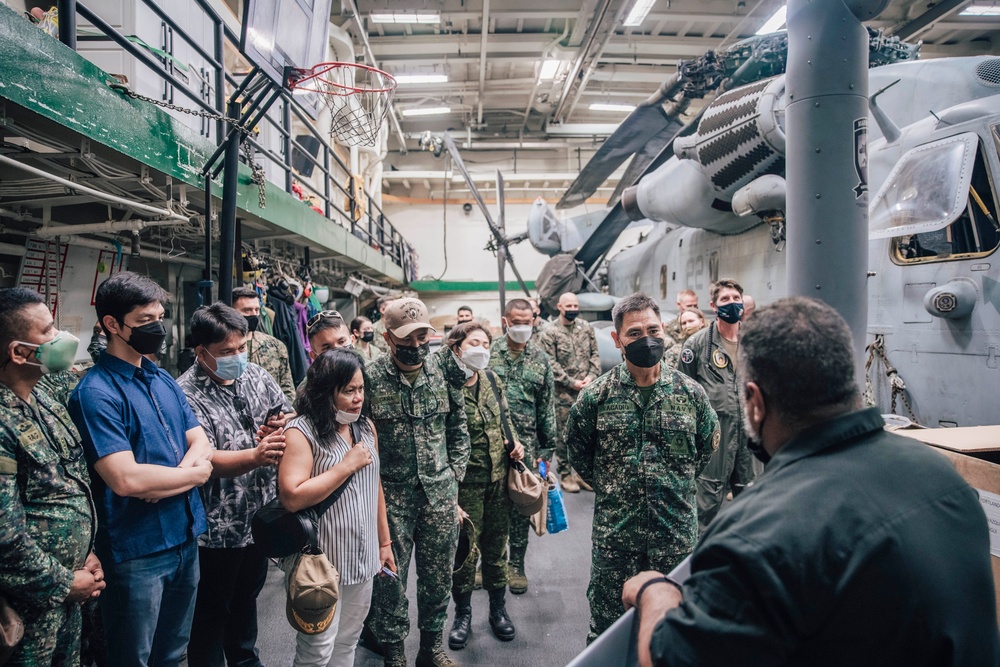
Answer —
(720, 359)
(687, 356)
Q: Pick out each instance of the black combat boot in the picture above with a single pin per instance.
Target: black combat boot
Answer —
(431, 652)
(500, 622)
(461, 630)
(393, 654)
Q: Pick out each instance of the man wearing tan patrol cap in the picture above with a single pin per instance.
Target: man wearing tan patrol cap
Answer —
(424, 443)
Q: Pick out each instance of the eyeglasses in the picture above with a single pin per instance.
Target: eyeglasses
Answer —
(319, 317)
(410, 410)
(243, 410)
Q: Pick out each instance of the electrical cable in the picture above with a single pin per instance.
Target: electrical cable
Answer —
(444, 222)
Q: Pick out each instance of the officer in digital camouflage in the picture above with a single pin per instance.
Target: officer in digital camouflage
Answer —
(59, 385)
(47, 566)
(266, 351)
(524, 368)
(571, 347)
(482, 494)
(709, 358)
(378, 327)
(419, 416)
(640, 435)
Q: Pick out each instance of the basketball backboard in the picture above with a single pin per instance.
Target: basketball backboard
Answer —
(285, 33)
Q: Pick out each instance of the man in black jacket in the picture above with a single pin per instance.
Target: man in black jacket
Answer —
(854, 547)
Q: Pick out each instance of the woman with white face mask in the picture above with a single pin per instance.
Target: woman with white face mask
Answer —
(482, 494)
(321, 456)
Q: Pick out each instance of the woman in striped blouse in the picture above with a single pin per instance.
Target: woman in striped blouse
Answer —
(354, 533)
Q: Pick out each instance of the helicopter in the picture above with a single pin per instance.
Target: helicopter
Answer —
(715, 189)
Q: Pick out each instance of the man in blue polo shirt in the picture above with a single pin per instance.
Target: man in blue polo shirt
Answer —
(148, 455)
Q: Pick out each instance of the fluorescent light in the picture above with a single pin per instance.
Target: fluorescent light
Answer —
(549, 69)
(421, 78)
(980, 10)
(426, 111)
(598, 106)
(638, 13)
(775, 23)
(405, 17)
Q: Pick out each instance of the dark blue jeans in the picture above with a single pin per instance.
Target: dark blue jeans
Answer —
(148, 606)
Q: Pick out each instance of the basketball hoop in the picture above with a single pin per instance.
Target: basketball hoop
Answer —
(358, 97)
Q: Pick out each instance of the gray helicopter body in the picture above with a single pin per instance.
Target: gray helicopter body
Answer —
(934, 279)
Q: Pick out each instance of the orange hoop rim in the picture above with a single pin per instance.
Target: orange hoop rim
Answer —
(304, 80)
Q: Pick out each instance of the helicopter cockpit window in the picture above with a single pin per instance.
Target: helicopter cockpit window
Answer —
(927, 189)
(975, 233)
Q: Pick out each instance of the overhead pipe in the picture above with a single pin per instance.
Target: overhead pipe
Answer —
(97, 194)
(534, 89)
(483, 37)
(107, 227)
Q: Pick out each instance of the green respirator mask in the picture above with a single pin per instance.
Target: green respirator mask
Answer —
(55, 355)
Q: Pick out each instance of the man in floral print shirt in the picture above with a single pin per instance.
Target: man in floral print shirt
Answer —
(231, 399)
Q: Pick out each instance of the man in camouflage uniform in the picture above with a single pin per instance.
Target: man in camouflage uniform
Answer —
(525, 371)
(685, 299)
(59, 385)
(640, 434)
(576, 362)
(266, 351)
(419, 415)
(47, 566)
(709, 358)
(379, 327)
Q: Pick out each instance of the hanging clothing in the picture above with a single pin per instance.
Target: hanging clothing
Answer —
(286, 329)
(302, 316)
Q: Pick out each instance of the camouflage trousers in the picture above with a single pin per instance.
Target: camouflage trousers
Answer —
(731, 465)
(609, 570)
(489, 509)
(430, 533)
(51, 637)
(564, 401)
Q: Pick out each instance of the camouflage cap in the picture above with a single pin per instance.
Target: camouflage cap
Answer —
(404, 316)
(467, 553)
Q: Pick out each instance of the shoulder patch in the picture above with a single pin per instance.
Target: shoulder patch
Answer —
(716, 439)
(687, 355)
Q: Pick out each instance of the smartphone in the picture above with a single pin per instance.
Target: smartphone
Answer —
(273, 412)
(389, 573)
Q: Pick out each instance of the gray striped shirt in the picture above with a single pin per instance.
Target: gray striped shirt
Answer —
(348, 531)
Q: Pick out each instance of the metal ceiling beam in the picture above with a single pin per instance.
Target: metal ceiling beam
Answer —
(599, 33)
(929, 18)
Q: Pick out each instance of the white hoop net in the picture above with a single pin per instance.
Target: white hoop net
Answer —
(357, 96)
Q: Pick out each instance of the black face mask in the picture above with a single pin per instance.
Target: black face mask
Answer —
(253, 321)
(571, 314)
(368, 336)
(147, 339)
(730, 313)
(645, 352)
(98, 344)
(410, 355)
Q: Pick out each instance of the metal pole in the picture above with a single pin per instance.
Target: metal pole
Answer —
(206, 284)
(227, 216)
(67, 22)
(827, 174)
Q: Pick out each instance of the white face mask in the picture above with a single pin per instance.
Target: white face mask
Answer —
(476, 357)
(344, 417)
(519, 333)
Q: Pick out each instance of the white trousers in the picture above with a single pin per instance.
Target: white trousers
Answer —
(336, 645)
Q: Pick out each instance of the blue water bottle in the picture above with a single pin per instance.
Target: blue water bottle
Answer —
(555, 519)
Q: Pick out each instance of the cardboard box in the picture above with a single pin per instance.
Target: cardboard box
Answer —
(975, 453)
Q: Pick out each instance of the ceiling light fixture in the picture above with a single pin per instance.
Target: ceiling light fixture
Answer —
(603, 106)
(549, 69)
(405, 17)
(638, 13)
(981, 10)
(421, 78)
(776, 22)
(426, 111)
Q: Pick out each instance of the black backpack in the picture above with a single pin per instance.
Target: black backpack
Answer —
(279, 532)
